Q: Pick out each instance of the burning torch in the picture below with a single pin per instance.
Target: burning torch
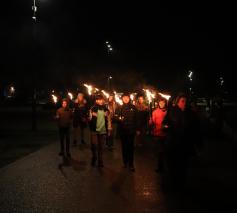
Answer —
(118, 100)
(89, 89)
(55, 99)
(105, 94)
(70, 95)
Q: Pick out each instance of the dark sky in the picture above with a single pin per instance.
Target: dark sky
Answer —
(69, 38)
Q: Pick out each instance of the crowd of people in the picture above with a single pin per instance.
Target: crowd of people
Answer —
(174, 126)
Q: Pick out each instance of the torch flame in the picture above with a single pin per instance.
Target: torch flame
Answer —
(132, 97)
(55, 98)
(117, 99)
(12, 89)
(167, 97)
(149, 95)
(89, 87)
(105, 93)
(70, 95)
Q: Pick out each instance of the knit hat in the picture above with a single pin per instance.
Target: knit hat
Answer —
(126, 93)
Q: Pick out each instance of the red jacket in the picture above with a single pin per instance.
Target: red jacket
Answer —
(156, 120)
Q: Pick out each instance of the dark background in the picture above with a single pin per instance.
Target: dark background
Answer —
(153, 44)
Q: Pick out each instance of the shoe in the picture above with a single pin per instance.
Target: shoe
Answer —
(68, 155)
(83, 142)
(74, 143)
(61, 154)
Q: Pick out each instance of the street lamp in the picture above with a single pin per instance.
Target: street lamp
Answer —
(109, 47)
(34, 95)
(34, 8)
(221, 81)
(109, 82)
(190, 77)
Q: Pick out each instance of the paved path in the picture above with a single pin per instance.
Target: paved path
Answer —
(44, 182)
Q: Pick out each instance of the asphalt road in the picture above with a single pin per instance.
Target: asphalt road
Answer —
(45, 182)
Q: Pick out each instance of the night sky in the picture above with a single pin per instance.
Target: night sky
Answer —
(157, 43)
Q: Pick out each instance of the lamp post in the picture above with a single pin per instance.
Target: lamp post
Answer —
(109, 47)
(190, 78)
(221, 86)
(34, 95)
(109, 83)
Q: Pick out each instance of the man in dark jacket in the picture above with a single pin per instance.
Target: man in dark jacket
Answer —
(64, 118)
(127, 121)
(80, 116)
(179, 122)
(98, 126)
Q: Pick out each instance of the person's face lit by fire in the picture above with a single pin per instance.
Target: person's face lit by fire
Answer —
(126, 99)
(64, 104)
(141, 100)
(162, 104)
(80, 97)
(182, 102)
(100, 101)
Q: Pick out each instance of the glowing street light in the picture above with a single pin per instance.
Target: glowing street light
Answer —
(221, 81)
(109, 82)
(12, 90)
(190, 74)
(109, 47)
(34, 8)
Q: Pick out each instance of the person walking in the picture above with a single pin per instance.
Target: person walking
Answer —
(64, 118)
(180, 124)
(159, 133)
(111, 127)
(127, 127)
(142, 120)
(80, 119)
(98, 127)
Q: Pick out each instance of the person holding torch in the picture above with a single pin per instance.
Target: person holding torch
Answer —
(99, 116)
(80, 119)
(142, 119)
(64, 118)
(126, 116)
(159, 133)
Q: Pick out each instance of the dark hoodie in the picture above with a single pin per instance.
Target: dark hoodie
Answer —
(126, 116)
